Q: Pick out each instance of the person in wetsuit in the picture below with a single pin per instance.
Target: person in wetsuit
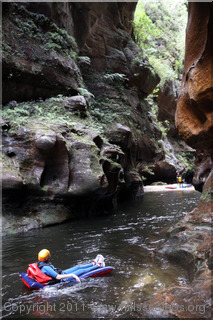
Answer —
(47, 268)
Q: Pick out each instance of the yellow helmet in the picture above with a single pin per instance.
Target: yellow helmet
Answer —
(43, 255)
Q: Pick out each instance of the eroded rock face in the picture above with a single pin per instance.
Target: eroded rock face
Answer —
(41, 59)
(107, 42)
(160, 171)
(36, 63)
(195, 104)
(56, 167)
(40, 162)
(45, 141)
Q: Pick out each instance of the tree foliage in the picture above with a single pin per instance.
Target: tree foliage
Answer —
(159, 28)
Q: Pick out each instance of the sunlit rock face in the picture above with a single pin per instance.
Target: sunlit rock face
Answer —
(195, 105)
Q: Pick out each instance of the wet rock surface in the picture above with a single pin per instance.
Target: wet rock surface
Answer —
(45, 141)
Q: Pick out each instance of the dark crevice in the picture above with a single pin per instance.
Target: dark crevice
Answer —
(23, 86)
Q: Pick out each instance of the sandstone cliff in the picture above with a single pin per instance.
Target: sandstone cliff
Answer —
(195, 104)
(77, 129)
(75, 122)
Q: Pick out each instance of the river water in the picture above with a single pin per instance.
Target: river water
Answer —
(126, 239)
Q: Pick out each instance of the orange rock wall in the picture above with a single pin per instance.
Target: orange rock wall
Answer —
(194, 112)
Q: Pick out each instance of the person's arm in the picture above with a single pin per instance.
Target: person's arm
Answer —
(65, 276)
(50, 272)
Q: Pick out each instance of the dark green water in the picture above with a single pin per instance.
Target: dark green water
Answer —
(126, 240)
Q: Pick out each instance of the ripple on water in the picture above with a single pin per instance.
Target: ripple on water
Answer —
(126, 240)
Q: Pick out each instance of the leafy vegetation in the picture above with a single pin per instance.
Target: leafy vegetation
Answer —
(104, 109)
(25, 25)
(51, 110)
(159, 28)
(84, 92)
(188, 159)
(114, 77)
(163, 126)
(107, 111)
(148, 170)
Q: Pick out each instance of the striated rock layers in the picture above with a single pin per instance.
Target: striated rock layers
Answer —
(75, 122)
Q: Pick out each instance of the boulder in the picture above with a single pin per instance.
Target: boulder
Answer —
(121, 136)
(84, 166)
(76, 104)
(45, 141)
(11, 181)
(159, 171)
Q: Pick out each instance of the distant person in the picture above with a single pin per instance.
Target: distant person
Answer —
(179, 180)
(48, 269)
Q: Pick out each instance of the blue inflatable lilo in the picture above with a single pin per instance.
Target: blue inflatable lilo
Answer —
(43, 273)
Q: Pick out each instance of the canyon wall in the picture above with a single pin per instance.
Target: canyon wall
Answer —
(190, 240)
(77, 131)
(84, 53)
(76, 125)
(194, 112)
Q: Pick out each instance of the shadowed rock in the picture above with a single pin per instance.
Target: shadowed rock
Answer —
(34, 63)
(203, 164)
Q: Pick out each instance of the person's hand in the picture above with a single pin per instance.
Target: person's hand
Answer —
(76, 278)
